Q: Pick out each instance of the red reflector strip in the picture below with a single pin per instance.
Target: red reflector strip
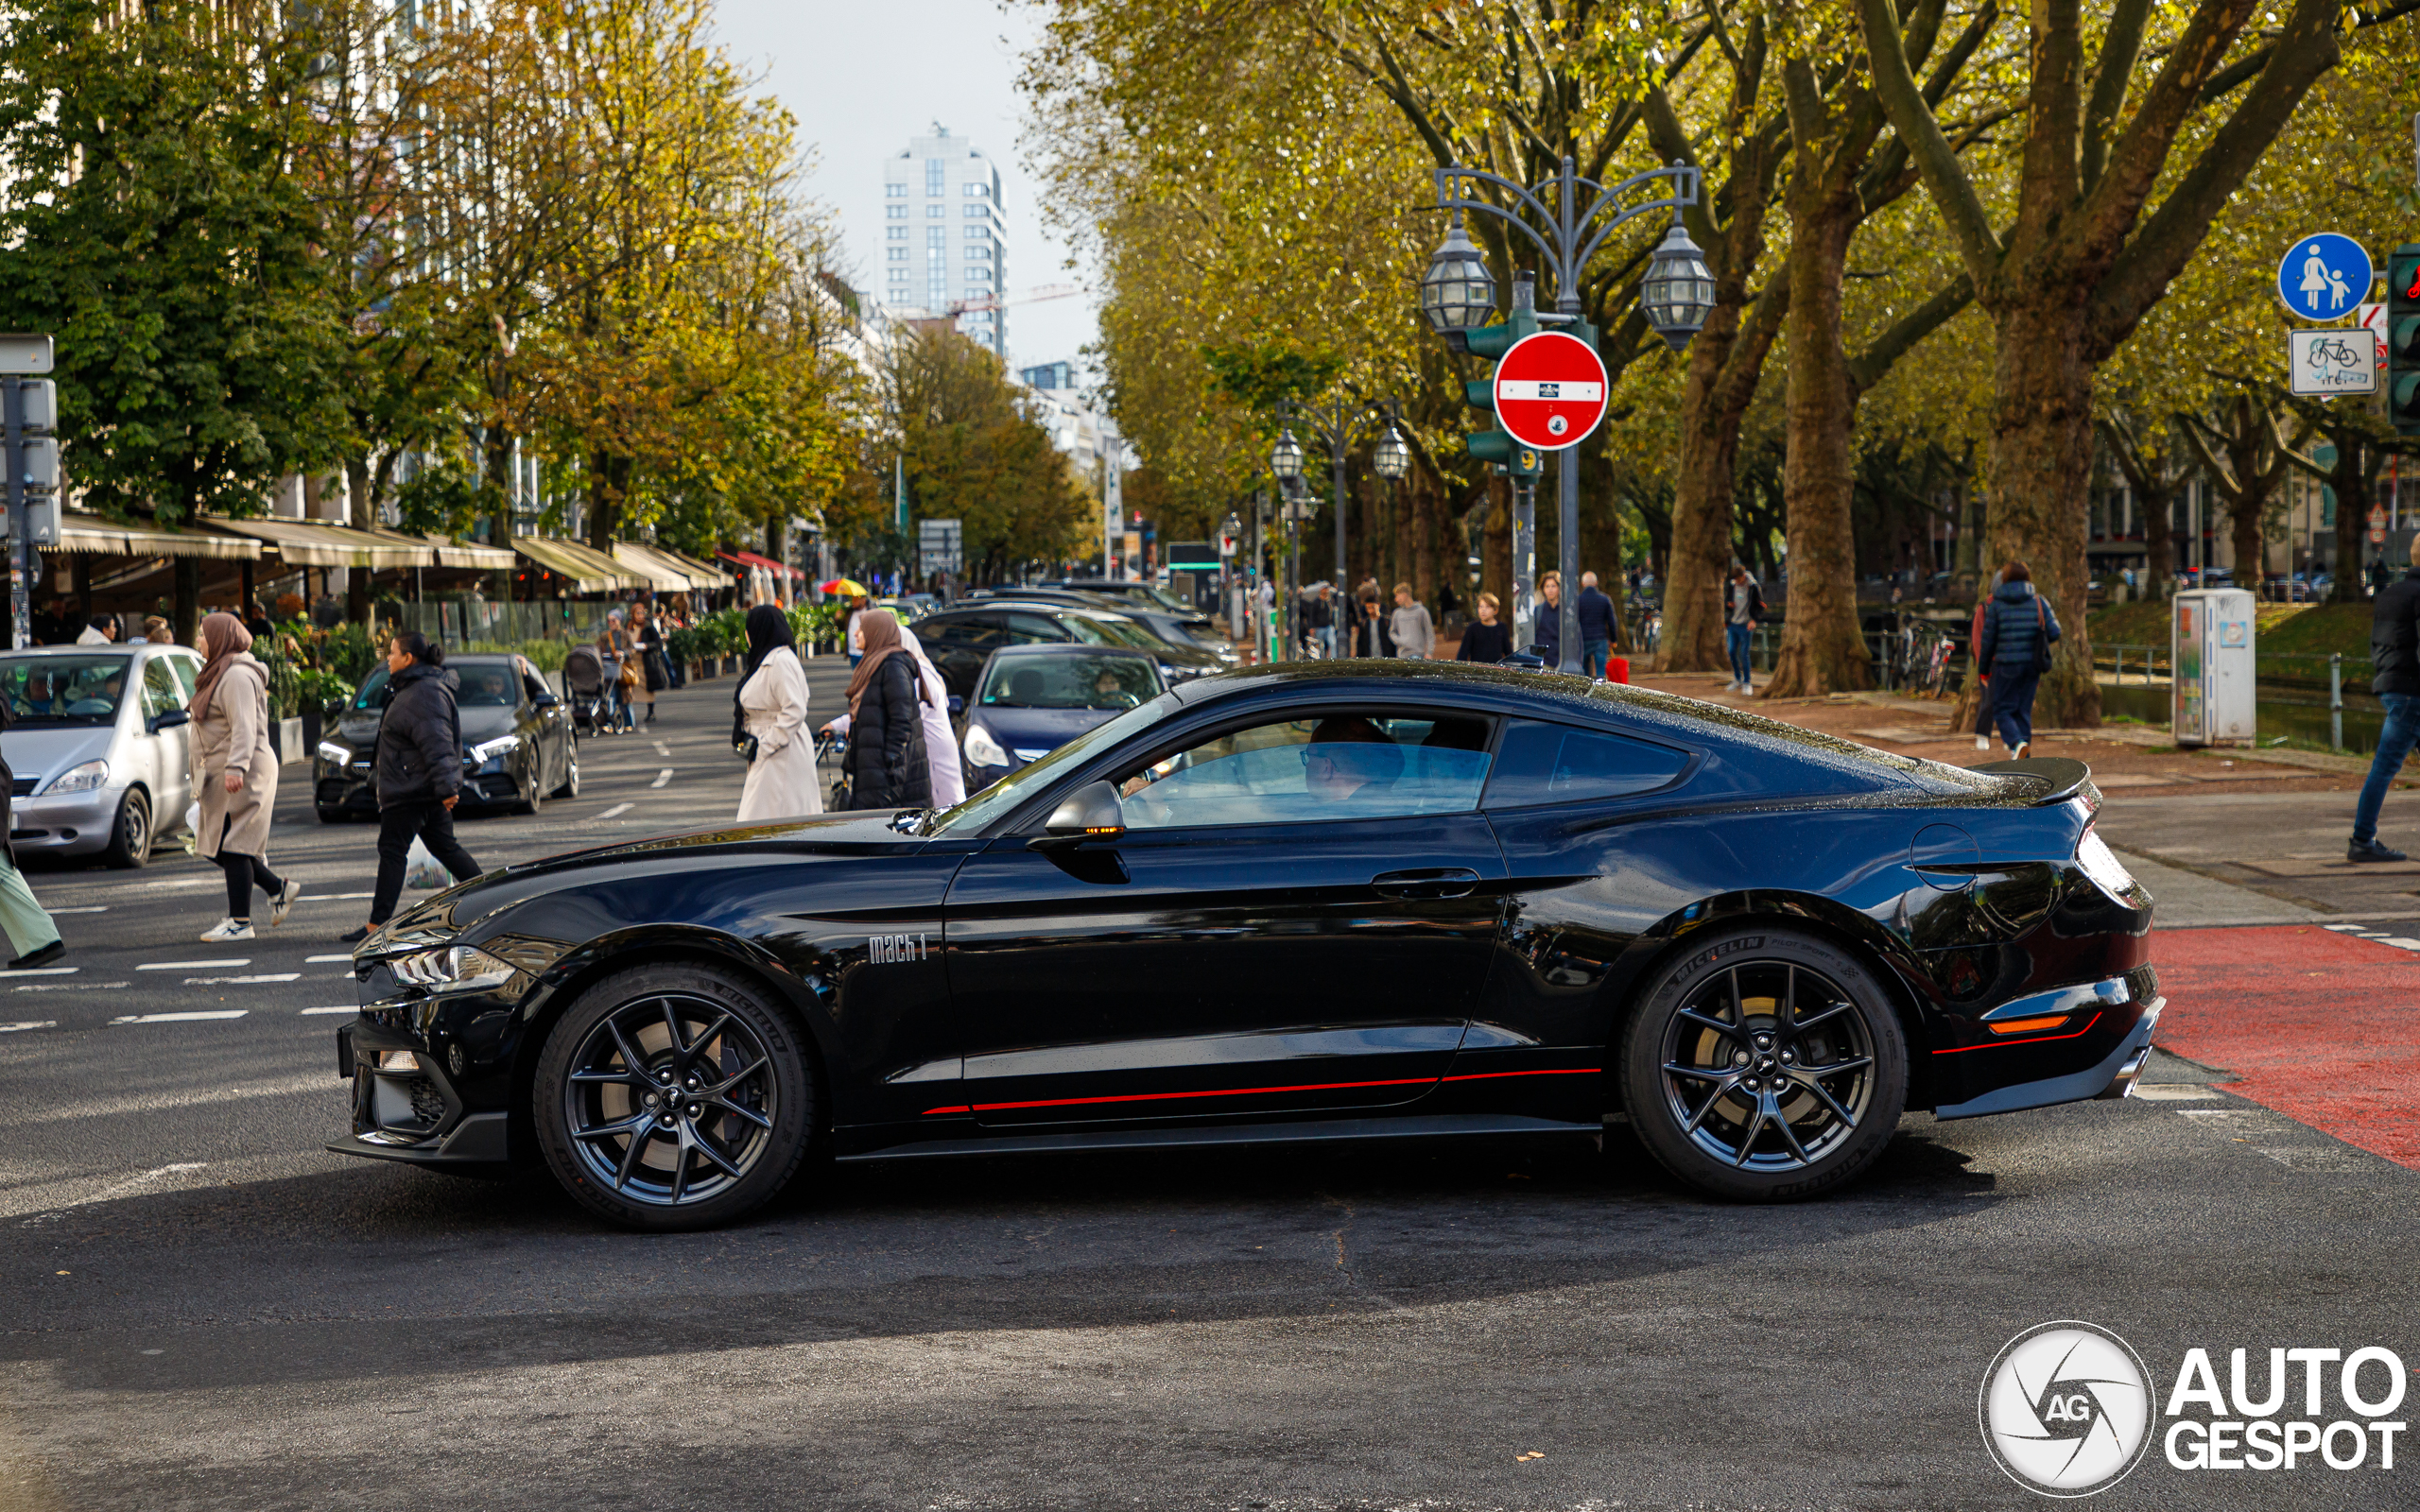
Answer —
(2029, 1025)
(2038, 1040)
(959, 1108)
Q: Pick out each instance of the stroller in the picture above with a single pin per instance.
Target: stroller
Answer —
(584, 682)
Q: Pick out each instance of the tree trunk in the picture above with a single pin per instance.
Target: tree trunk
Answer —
(2247, 538)
(1496, 546)
(188, 608)
(1822, 643)
(2158, 504)
(1700, 550)
(2042, 466)
(2352, 522)
(1426, 513)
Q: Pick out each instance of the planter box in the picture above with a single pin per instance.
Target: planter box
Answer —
(286, 737)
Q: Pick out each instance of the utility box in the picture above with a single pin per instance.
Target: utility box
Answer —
(2214, 697)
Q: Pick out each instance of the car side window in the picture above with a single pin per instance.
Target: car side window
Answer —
(971, 631)
(183, 669)
(1313, 769)
(159, 688)
(1031, 629)
(1542, 763)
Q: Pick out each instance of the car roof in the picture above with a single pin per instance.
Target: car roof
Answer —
(1043, 606)
(1070, 649)
(102, 649)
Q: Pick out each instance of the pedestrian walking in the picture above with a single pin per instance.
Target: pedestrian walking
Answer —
(418, 772)
(2394, 651)
(2018, 631)
(647, 639)
(233, 770)
(888, 767)
(1596, 625)
(770, 708)
(1322, 619)
(158, 632)
(1546, 628)
(621, 652)
(33, 940)
(852, 629)
(100, 630)
(1743, 610)
(1486, 640)
(943, 767)
(1414, 632)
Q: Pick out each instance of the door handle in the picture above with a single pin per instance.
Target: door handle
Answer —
(1436, 881)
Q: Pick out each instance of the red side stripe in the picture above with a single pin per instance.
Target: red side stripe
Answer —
(2037, 1040)
(960, 1108)
(1249, 1092)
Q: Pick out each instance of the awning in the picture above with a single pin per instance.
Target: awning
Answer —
(326, 543)
(661, 576)
(749, 559)
(700, 574)
(459, 552)
(88, 535)
(590, 571)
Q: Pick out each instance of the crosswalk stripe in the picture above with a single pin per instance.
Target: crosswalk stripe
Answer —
(28, 1023)
(333, 1008)
(188, 966)
(193, 1016)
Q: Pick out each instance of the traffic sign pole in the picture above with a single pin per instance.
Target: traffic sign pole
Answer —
(1550, 395)
(13, 427)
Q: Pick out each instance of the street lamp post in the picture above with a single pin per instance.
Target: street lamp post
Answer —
(1286, 461)
(1457, 295)
(1333, 425)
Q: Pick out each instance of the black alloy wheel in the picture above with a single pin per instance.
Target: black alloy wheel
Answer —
(130, 832)
(674, 1097)
(1765, 1065)
(533, 792)
(571, 770)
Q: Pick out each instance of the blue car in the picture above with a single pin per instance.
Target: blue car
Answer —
(1033, 700)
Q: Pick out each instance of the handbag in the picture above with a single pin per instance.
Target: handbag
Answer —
(2046, 635)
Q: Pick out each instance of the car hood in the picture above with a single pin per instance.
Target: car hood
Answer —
(1037, 728)
(43, 754)
(837, 836)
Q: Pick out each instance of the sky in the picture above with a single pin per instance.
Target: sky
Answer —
(864, 76)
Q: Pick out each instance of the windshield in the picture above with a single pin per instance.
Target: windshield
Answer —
(983, 808)
(63, 689)
(486, 687)
(1119, 630)
(1069, 682)
(1168, 600)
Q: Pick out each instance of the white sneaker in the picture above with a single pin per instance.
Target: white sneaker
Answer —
(1982, 742)
(229, 929)
(281, 905)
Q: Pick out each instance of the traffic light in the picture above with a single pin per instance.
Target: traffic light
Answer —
(2403, 339)
(31, 460)
(1492, 444)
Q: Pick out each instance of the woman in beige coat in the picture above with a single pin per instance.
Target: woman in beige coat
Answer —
(234, 776)
(773, 724)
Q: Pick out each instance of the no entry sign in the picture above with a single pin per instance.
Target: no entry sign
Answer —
(1549, 391)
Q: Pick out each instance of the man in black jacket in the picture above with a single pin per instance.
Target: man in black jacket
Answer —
(2395, 650)
(419, 771)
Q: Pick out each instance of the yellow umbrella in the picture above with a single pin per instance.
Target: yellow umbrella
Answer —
(846, 587)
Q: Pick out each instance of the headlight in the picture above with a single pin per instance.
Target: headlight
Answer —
(452, 968)
(981, 750)
(80, 779)
(398, 1060)
(335, 755)
(491, 750)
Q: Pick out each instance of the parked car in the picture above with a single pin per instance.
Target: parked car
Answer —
(1033, 700)
(518, 744)
(99, 743)
(1138, 593)
(959, 641)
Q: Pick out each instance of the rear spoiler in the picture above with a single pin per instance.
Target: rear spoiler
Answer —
(2062, 777)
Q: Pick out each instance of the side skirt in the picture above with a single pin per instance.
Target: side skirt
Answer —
(1441, 1125)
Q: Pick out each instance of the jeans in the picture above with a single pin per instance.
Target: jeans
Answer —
(1592, 656)
(1324, 638)
(2395, 743)
(2012, 703)
(1735, 640)
(433, 822)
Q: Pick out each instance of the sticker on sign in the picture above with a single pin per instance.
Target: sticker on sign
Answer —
(1550, 392)
(2332, 362)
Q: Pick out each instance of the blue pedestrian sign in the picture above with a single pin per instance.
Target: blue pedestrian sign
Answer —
(2325, 277)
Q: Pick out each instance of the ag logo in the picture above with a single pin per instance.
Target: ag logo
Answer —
(2066, 1409)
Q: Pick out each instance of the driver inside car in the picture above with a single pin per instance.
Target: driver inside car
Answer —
(1346, 755)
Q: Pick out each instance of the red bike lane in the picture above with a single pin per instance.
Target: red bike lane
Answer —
(2320, 1026)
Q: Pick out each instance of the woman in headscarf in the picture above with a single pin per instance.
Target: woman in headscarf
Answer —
(941, 742)
(771, 703)
(234, 776)
(887, 764)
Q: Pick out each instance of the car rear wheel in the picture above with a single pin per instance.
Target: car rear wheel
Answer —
(674, 1097)
(131, 835)
(1765, 1065)
(571, 773)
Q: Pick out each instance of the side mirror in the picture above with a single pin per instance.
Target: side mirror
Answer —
(171, 719)
(1532, 660)
(957, 706)
(1090, 812)
(547, 701)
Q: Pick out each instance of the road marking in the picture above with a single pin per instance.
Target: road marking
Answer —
(28, 1023)
(323, 960)
(663, 750)
(42, 970)
(333, 897)
(67, 987)
(193, 1017)
(2173, 1092)
(184, 966)
(90, 908)
(618, 808)
(241, 981)
(661, 778)
(183, 882)
(333, 1007)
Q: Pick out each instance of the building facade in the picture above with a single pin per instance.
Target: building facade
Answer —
(944, 239)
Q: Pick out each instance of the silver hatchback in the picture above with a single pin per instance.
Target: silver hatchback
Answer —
(99, 743)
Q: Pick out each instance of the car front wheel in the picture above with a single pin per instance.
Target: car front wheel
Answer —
(674, 1097)
(1765, 1065)
(129, 842)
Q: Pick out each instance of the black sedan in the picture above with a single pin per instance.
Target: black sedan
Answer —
(1033, 699)
(1350, 900)
(959, 641)
(518, 747)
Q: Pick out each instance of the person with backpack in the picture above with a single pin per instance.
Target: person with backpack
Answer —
(2018, 631)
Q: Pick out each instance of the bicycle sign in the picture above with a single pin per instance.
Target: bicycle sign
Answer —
(2341, 361)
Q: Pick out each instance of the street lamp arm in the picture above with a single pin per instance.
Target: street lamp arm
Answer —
(1686, 183)
(1447, 198)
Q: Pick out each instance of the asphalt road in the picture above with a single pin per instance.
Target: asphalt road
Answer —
(200, 1308)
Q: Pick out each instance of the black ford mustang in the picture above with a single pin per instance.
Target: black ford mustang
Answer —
(1338, 900)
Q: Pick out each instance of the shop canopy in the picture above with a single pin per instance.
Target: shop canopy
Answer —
(588, 569)
(749, 559)
(672, 572)
(328, 543)
(88, 535)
